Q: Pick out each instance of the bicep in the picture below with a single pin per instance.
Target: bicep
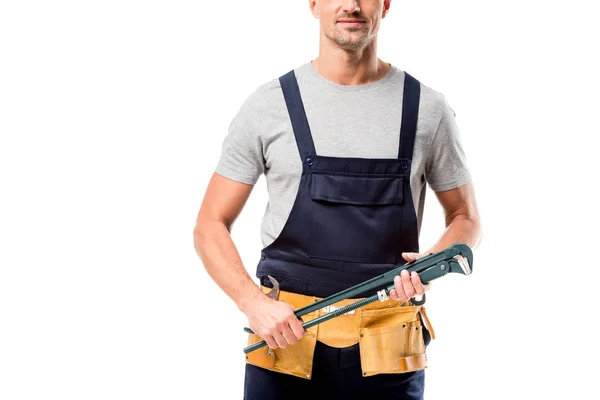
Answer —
(459, 202)
(224, 199)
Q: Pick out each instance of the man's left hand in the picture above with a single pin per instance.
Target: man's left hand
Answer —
(408, 285)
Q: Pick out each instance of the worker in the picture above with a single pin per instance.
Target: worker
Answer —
(348, 144)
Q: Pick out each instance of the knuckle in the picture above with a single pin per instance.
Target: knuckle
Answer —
(280, 325)
(261, 332)
(291, 317)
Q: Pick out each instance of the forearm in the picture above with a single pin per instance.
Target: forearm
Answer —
(462, 229)
(222, 261)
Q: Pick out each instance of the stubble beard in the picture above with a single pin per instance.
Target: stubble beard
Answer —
(348, 39)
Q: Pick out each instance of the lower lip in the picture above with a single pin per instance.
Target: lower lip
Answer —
(351, 24)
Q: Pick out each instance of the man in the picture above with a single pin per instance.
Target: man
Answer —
(346, 143)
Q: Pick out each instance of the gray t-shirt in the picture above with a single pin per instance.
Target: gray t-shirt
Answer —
(345, 121)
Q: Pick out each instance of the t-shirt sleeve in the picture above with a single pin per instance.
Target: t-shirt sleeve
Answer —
(446, 166)
(242, 157)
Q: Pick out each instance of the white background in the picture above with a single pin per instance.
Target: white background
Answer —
(112, 116)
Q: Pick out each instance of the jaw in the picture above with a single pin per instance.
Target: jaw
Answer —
(350, 38)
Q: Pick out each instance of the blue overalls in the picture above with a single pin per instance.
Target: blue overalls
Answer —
(351, 220)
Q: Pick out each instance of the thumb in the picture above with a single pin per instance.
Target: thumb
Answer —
(410, 256)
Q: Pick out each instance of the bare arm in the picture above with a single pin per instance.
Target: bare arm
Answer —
(274, 321)
(462, 218)
(222, 204)
(462, 225)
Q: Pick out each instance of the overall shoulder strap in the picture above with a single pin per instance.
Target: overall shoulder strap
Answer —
(410, 114)
(293, 101)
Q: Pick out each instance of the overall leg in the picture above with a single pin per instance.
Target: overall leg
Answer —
(407, 386)
(262, 384)
(344, 372)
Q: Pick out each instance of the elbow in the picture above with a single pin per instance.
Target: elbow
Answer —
(199, 235)
(197, 238)
(206, 230)
(469, 226)
(476, 231)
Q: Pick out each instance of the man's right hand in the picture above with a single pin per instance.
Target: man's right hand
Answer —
(274, 321)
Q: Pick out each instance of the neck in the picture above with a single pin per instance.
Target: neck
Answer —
(349, 67)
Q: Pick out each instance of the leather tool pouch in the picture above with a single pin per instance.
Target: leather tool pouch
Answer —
(391, 340)
(295, 360)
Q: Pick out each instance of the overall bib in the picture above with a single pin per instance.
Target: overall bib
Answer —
(351, 220)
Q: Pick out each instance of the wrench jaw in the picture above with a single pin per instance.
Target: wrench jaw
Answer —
(464, 257)
(461, 265)
(273, 293)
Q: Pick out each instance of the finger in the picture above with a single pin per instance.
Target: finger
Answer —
(296, 327)
(283, 327)
(409, 289)
(409, 256)
(270, 341)
(416, 282)
(399, 288)
(287, 333)
(289, 336)
(394, 294)
(279, 339)
(302, 323)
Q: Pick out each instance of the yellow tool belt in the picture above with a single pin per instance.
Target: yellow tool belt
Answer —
(389, 334)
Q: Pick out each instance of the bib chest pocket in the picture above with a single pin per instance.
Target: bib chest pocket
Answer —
(356, 217)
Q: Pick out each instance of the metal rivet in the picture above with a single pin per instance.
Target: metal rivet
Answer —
(364, 374)
(404, 325)
(443, 267)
